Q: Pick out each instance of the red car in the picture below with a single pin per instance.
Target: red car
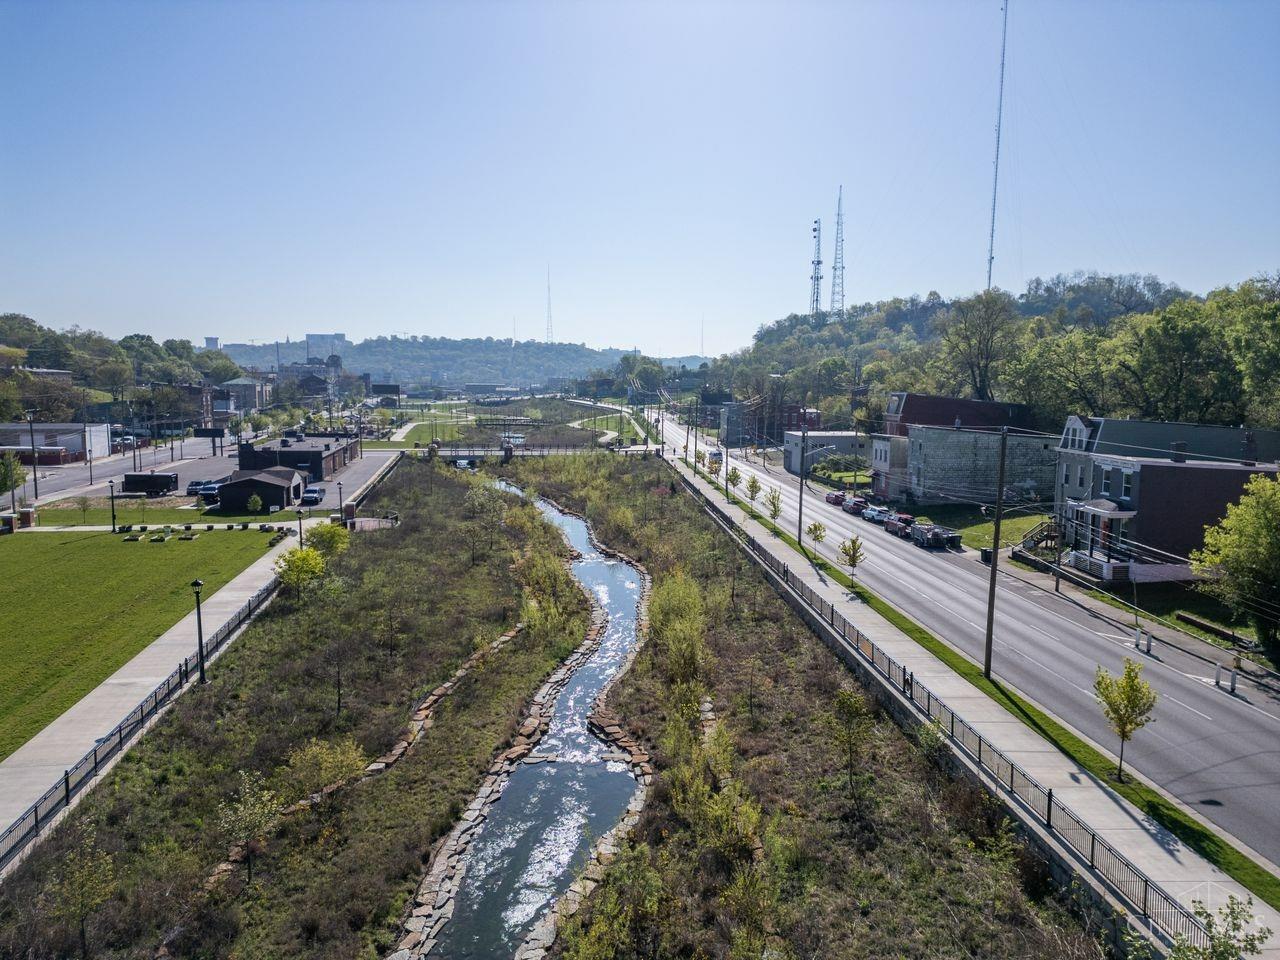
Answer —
(854, 505)
(836, 498)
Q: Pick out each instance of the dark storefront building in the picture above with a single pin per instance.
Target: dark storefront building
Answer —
(316, 457)
(277, 488)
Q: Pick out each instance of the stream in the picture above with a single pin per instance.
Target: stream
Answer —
(540, 830)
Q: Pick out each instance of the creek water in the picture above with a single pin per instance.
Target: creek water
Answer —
(539, 832)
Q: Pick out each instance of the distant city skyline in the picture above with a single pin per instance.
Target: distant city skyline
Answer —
(258, 171)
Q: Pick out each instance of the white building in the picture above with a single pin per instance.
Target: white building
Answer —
(823, 444)
(71, 438)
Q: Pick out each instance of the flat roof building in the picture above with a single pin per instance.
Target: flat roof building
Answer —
(317, 458)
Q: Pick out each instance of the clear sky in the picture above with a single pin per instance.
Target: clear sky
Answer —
(260, 169)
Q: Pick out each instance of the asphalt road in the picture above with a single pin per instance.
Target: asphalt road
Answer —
(1217, 753)
(71, 480)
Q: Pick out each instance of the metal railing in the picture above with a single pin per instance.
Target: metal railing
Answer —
(1146, 898)
(27, 827)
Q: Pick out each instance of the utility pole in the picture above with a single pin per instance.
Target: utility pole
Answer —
(695, 432)
(35, 457)
(995, 175)
(995, 554)
(804, 453)
(815, 278)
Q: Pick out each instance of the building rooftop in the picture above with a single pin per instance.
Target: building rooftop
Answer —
(280, 476)
(307, 444)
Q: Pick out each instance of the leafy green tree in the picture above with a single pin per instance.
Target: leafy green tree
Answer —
(82, 504)
(84, 881)
(253, 504)
(1240, 560)
(486, 507)
(244, 819)
(753, 487)
(329, 539)
(852, 554)
(1229, 935)
(12, 475)
(700, 458)
(300, 567)
(977, 335)
(816, 531)
(773, 503)
(1127, 702)
(733, 478)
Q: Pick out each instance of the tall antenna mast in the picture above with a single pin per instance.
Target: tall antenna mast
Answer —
(549, 337)
(815, 278)
(837, 261)
(995, 176)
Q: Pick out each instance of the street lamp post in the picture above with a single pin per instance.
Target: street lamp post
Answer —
(300, 515)
(112, 485)
(35, 457)
(340, 500)
(195, 586)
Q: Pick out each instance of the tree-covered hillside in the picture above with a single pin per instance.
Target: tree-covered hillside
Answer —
(1087, 343)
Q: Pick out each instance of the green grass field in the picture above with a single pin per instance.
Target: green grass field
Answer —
(975, 529)
(74, 607)
(63, 513)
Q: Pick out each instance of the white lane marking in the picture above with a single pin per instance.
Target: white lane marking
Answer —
(1170, 696)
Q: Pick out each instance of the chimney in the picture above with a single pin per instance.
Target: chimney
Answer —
(957, 421)
(1250, 448)
(1178, 450)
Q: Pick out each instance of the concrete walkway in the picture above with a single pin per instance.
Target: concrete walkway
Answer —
(1152, 849)
(33, 767)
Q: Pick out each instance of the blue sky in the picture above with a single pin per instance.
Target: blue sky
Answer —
(254, 170)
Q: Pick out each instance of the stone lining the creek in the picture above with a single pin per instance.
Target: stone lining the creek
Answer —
(434, 902)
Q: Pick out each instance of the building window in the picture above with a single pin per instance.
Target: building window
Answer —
(1106, 483)
(1080, 477)
(1126, 485)
(1066, 475)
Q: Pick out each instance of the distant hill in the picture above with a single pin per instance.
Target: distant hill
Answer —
(413, 360)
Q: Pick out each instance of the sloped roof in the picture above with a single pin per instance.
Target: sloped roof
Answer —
(278, 476)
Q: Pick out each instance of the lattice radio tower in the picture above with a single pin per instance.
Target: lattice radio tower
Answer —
(815, 278)
(837, 262)
(549, 336)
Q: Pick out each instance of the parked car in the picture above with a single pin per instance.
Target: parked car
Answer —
(836, 497)
(194, 487)
(875, 514)
(209, 492)
(312, 495)
(854, 505)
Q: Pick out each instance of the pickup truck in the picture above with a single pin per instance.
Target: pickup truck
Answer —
(899, 524)
(312, 495)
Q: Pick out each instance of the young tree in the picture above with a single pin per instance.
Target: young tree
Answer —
(85, 881)
(1241, 558)
(852, 554)
(329, 539)
(1127, 702)
(253, 504)
(12, 475)
(1229, 936)
(299, 567)
(318, 763)
(816, 531)
(773, 500)
(246, 818)
(487, 508)
(753, 487)
(82, 504)
(849, 722)
(700, 457)
(733, 478)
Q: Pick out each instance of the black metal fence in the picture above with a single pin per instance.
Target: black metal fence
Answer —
(1145, 897)
(24, 830)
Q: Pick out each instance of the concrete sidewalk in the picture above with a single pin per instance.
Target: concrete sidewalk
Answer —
(1152, 849)
(28, 772)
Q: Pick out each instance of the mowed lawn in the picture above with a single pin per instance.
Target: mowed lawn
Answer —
(74, 607)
